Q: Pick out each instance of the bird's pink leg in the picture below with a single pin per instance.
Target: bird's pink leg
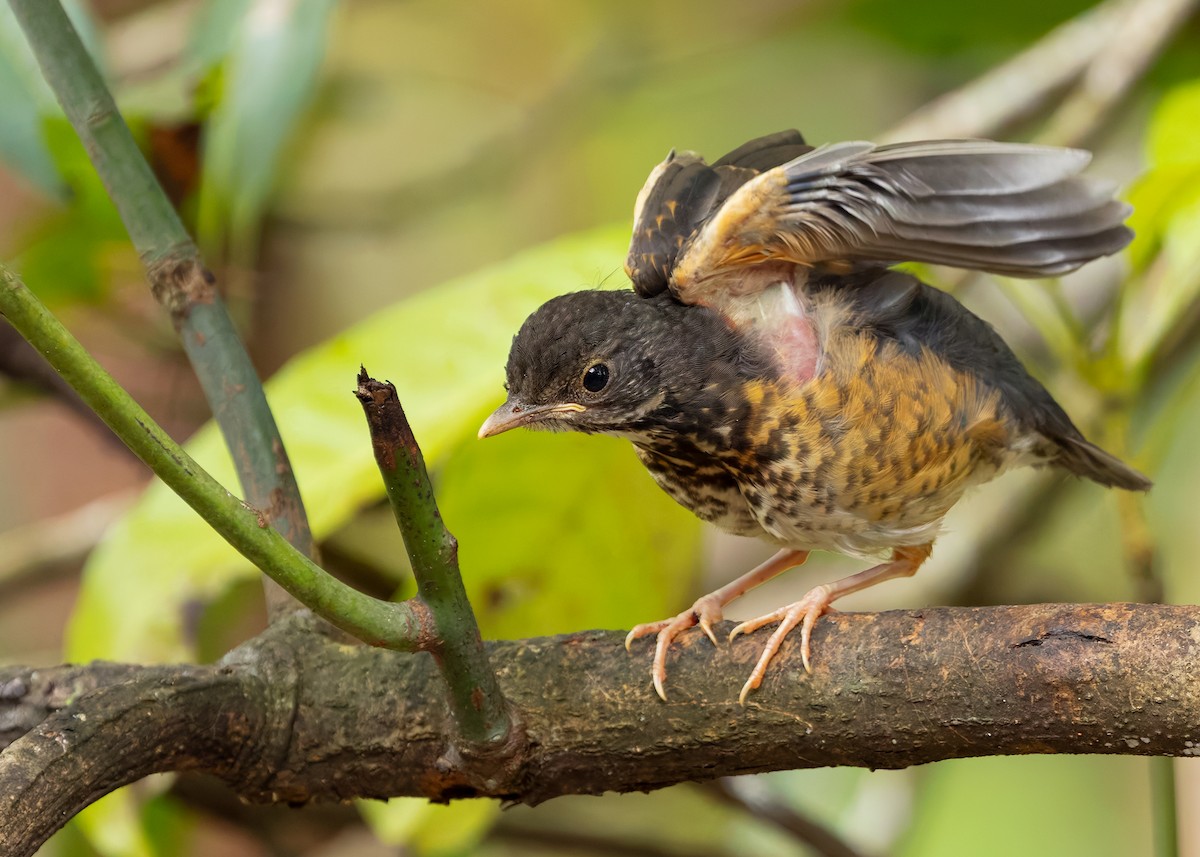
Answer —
(806, 611)
(707, 610)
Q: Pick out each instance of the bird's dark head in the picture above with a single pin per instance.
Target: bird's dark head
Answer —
(610, 362)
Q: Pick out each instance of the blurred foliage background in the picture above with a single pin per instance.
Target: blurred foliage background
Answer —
(399, 184)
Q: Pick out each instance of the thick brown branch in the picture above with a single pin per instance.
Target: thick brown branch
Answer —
(29, 696)
(889, 690)
(160, 719)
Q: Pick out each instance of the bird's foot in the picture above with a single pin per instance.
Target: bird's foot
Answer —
(804, 613)
(704, 612)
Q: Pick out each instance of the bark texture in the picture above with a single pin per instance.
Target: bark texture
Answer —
(294, 716)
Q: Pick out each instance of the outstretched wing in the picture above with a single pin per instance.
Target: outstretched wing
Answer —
(683, 192)
(1013, 209)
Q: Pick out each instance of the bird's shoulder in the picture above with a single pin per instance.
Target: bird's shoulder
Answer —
(684, 192)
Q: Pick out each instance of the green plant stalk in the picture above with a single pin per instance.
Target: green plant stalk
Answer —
(174, 268)
(403, 627)
(479, 708)
(1163, 802)
(1141, 558)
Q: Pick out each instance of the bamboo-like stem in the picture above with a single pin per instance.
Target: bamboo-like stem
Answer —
(989, 103)
(1145, 30)
(1142, 560)
(404, 627)
(1164, 804)
(176, 273)
(479, 707)
(752, 797)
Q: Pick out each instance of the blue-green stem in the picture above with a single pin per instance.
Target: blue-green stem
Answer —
(404, 627)
(176, 273)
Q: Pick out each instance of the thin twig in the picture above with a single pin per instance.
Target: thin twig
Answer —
(1164, 807)
(991, 102)
(42, 550)
(1145, 29)
(22, 364)
(750, 797)
(176, 273)
(390, 625)
(574, 841)
(479, 707)
(1141, 556)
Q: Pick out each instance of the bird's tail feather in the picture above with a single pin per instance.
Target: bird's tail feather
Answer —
(1084, 458)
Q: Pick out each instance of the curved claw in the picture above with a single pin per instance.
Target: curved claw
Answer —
(707, 611)
(634, 634)
(645, 630)
(704, 613)
(752, 625)
(746, 688)
(810, 619)
(810, 608)
(804, 613)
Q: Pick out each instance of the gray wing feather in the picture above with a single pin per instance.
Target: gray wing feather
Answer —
(1014, 209)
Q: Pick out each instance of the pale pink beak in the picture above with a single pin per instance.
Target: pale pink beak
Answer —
(513, 415)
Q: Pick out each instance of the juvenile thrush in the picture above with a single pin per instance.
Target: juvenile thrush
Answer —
(780, 381)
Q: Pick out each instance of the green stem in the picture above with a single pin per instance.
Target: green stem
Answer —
(175, 270)
(479, 707)
(66, 65)
(1141, 557)
(1163, 802)
(403, 627)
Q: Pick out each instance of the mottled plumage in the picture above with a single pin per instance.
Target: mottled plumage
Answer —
(776, 378)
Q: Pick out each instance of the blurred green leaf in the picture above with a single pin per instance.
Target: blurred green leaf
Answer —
(269, 78)
(1172, 181)
(214, 33)
(1174, 133)
(1166, 218)
(430, 829)
(114, 826)
(1156, 197)
(137, 821)
(69, 254)
(445, 349)
(946, 27)
(1068, 806)
(1037, 304)
(1173, 153)
(1167, 290)
(560, 532)
(23, 98)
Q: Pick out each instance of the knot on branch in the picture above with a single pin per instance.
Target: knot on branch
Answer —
(179, 281)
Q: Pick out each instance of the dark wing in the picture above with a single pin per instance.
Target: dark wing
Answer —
(682, 193)
(1012, 209)
(896, 306)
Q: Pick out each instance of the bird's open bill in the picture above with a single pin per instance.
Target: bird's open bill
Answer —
(515, 414)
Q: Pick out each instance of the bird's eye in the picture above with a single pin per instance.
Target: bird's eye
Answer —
(595, 378)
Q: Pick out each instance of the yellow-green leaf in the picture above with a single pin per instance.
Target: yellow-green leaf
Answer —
(1174, 136)
(445, 350)
(429, 829)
